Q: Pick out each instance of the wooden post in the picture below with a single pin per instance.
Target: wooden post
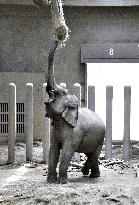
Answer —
(108, 138)
(127, 110)
(77, 92)
(12, 123)
(29, 121)
(46, 134)
(91, 97)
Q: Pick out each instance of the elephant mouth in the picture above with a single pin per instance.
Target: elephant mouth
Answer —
(49, 108)
(51, 94)
(48, 114)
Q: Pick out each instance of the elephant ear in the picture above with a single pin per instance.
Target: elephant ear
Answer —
(71, 112)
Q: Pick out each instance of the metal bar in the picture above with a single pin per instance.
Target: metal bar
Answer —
(77, 92)
(91, 97)
(29, 121)
(12, 123)
(46, 129)
(108, 138)
(127, 112)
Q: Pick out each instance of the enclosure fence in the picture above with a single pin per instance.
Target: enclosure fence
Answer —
(18, 118)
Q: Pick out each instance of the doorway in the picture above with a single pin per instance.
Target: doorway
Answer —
(117, 75)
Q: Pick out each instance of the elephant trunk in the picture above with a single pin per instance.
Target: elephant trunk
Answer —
(50, 75)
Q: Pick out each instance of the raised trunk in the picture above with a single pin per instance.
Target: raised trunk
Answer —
(50, 75)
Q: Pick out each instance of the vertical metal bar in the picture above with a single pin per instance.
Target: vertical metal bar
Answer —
(127, 112)
(86, 86)
(108, 138)
(77, 92)
(29, 121)
(46, 129)
(23, 114)
(6, 128)
(91, 97)
(12, 123)
(21, 117)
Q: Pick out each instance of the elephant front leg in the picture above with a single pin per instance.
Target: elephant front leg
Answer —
(65, 159)
(53, 161)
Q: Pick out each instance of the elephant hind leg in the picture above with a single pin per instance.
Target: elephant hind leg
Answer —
(91, 163)
(85, 170)
(86, 167)
(95, 172)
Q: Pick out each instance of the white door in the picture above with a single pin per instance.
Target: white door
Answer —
(118, 75)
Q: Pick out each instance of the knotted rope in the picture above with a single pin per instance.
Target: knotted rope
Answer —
(61, 31)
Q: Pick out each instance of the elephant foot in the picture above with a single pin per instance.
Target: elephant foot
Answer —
(85, 171)
(94, 174)
(63, 180)
(51, 179)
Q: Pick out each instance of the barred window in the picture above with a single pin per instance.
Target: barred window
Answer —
(20, 118)
(4, 118)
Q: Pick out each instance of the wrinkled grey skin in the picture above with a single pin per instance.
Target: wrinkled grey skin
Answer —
(74, 130)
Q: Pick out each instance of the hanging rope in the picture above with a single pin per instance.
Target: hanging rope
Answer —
(61, 31)
(60, 28)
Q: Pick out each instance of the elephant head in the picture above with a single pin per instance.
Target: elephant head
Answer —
(60, 102)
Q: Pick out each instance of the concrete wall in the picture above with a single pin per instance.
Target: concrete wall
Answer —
(79, 2)
(20, 79)
(26, 36)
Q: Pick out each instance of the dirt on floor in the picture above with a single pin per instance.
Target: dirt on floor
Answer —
(26, 183)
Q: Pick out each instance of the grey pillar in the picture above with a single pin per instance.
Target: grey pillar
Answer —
(29, 121)
(46, 129)
(77, 92)
(86, 86)
(108, 138)
(91, 97)
(12, 123)
(127, 110)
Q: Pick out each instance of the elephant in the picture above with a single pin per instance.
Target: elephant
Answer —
(74, 129)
